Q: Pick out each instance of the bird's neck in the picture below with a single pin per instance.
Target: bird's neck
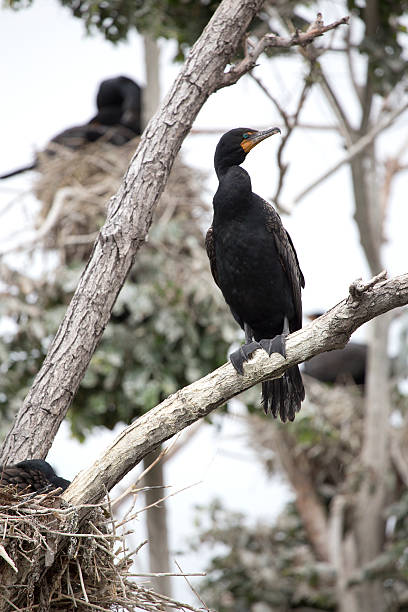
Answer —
(233, 196)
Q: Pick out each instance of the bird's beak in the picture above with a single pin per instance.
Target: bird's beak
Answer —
(256, 137)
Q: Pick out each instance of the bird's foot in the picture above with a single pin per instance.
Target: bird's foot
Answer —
(241, 355)
(274, 345)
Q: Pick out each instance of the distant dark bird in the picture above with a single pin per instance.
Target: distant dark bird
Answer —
(32, 476)
(254, 263)
(118, 120)
(340, 366)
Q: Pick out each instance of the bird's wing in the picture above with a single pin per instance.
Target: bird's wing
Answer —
(288, 258)
(210, 248)
(25, 479)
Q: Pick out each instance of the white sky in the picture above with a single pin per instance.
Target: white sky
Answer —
(49, 76)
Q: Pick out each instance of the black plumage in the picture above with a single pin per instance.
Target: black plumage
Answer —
(32, 476)
(118, 120)
(254, 263)
(341, 366)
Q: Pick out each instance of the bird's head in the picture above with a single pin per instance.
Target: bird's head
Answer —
(234, 146)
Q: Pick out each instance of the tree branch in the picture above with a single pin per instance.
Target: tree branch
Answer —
(352, 152)
(330, 331)
(301, 39)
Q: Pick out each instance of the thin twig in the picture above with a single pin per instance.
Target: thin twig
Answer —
(351, 153)
(269, 41)
(191, 586)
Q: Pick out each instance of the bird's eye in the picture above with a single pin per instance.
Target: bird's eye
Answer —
(246, 135)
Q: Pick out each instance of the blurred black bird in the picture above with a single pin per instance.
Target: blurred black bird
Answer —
(341, 366)
(254, 263)
(118, 120)
(32, 476)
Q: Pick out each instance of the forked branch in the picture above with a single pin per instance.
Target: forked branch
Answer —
(269, 41)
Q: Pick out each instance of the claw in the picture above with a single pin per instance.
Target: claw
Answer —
(241, 355)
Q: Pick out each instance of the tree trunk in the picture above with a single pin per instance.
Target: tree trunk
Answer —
(156, 523)
(375, 463)
(151, 93)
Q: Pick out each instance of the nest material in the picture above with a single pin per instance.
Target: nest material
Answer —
(74, 188)
(50, 564)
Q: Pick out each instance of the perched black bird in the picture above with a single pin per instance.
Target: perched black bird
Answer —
(32, 476)
(254, 263)
(118, 120)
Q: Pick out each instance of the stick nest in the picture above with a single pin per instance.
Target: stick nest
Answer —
(90, 571)
(74, 188)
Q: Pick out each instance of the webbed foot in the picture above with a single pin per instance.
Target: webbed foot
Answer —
(241, 355)
(274, 345)
(278, 343)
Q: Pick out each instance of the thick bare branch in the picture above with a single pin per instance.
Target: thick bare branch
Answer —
(328, 332)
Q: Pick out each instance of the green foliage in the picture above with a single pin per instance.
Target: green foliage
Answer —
(179, 20)
(385, 47)
(169, 327)
(256, 564)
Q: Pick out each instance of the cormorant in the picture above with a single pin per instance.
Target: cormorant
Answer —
(254, 263)
(32, 476)
(119, 105)
(339, 366)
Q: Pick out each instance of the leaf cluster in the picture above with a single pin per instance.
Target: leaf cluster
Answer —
(169, 325)
(259, 565)
(384, 48)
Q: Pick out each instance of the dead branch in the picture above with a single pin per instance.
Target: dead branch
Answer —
(301, 39)
(330, 331)
(353, 151)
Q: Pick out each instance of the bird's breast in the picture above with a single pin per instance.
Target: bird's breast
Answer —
(251, 276)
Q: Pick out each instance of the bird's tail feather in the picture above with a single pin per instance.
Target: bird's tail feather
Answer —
(284, 395)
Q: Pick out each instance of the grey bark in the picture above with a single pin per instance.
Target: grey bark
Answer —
(156, 523)
(330, 331)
